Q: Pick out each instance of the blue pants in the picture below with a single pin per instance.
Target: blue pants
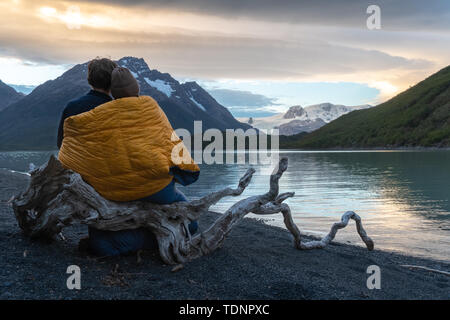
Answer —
(113, 243)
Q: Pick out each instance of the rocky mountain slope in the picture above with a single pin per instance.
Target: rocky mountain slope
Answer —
(8, 96)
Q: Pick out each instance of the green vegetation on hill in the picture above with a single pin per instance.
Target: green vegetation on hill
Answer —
(419, 116)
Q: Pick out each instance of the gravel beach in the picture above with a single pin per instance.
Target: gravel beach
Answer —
(257, 261)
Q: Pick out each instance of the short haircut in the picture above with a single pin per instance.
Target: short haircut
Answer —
(99, 73)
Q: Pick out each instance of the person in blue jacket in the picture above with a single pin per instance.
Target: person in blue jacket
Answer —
(113, 243)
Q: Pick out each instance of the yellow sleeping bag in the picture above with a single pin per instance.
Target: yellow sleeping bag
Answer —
(123, 148)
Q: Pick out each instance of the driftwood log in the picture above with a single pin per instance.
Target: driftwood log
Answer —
(57, 198)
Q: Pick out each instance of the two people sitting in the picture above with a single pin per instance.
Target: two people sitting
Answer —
(123, 149)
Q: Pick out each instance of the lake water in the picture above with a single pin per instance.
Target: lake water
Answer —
(403, 197)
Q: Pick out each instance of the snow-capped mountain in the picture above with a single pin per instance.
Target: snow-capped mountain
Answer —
(329, 112)
(294, 112)
(297, 126)
(182, 102)
(303, 119)
(31, 122)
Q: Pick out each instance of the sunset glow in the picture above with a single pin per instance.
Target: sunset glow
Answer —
(216, 43)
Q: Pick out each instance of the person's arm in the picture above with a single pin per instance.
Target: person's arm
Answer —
(61, 128)
(184, 177)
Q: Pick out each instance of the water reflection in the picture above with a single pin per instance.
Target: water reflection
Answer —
(403, 196)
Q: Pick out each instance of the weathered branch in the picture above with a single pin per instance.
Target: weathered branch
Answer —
(58, 197)
(277, 206)
(426, 269)
(211, 199)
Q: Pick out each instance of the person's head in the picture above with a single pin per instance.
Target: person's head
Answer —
(99, 74)
(123, 84)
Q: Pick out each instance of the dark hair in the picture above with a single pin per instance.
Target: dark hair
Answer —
(99, 73)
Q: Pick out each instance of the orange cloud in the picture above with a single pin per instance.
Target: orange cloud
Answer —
(210, 46)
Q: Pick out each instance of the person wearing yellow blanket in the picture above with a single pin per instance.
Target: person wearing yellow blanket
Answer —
(123, 149)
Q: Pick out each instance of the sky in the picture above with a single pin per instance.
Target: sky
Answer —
(255, 57)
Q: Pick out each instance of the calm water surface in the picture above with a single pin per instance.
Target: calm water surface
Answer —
(403, 197)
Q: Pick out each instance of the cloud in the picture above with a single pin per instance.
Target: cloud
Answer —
(265, 40)
(399, 14)
(234, 98)
(208, 56)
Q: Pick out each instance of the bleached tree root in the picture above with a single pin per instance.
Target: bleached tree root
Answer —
(277, 206)
(57, 198)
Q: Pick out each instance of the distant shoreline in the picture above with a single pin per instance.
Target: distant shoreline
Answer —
(291, 149)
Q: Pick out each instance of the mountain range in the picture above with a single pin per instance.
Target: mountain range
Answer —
(417, 117)
(31, 122)
(302, 119)
(8, 95)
